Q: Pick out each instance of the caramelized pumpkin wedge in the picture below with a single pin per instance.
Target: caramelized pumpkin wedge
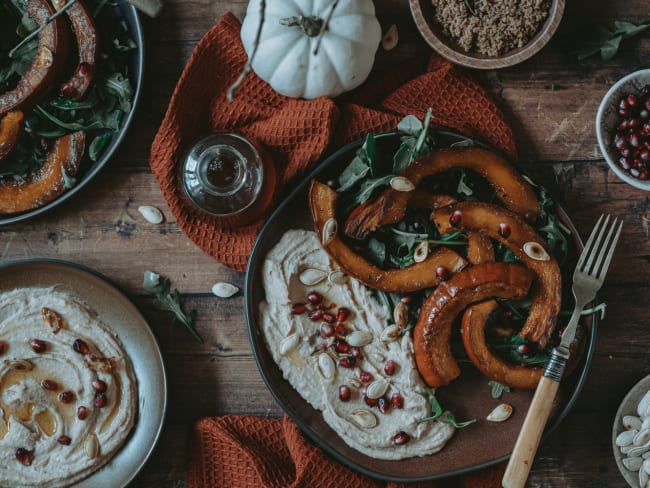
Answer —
(432, 333)
(85, 32)
(527, 245)
(49, 181)
(390, 206)
(473, 332)
(11, 126)
(322, 203)
(50, 60)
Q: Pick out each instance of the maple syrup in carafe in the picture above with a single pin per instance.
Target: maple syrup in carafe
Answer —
(226, 176)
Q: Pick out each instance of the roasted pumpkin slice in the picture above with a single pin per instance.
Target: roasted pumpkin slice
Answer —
(50, 60)
(322, 203)
(390, 206)
(473, 332)
(432, 333)
(527, 245)
(85, 32)
(49, 181)
(11, 126)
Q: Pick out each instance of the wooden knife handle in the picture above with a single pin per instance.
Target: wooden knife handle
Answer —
(531, 432)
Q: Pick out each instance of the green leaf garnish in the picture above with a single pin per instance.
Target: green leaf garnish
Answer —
(497, 388)
(606, 42)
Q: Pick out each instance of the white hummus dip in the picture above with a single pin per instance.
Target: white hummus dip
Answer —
(317, 363)
(67, 389)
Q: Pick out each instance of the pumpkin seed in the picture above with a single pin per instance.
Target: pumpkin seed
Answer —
(646, 465)
(400, 183)
(364, 418)
(91, 446)
(632, 422)
(390, 38)
(638, 450)
(643, 405)
(401, 315)
(501, 413)
(52, 319)
(633, 463)
(330, 230)
(641, 438)
(312, 276)
(534, 250)
(289, 343)
(359, 338)
(421, 252)
(326, 366)
(390, 333)
(377, 388)
(44, 58)
(18, 364)
(643, 478)
(645, 424)
(224, 290)
(626, 437)
(151, 214)
(338, 277)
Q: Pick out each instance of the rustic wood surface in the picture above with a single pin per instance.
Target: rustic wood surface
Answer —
(551, 101)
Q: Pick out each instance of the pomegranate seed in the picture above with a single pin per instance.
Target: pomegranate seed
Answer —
(66, 396)
(81, 347)
(329, 318)
(530, 217)
(3, 347)
(406, 299)
(455, 218)
(326, 330)
(383, 405)
(625, 152)
(84, 69)
(317, 314)
(44, 144)
(298, 308)
(49, 385)
(644, 155)
(621, 142)
(342, 314)
(314, 298)
(99, 386)
(345, 393)
(100, 400)
(331, 183)
(523, 349)
(347, 362)
(401, 438)
(632, 100)
(635, 172)
(341, 346)
(365, 377)
(643, 175)
(623, 103)
(442, 273)
(82, 412)
(390, 367)
(634, 140)
(68, 91)
(624, 112)
(634, 123)
(371, 402)
(644, 114)
(355, 352)
(38, 345)
(623, 125)
(64, 440)
(397, 400)
(504, 230)
(624, 163)
(341, 330)
(24, 456)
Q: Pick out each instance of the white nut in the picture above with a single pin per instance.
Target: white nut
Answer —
(289, 343)
(632, 422)
(421, 252)
(377, 388)
(626, 437)
(312, 276)
(400, 183)
(501, 413)
(364, 418)
(641, 438)
(224, 290)
(151, 214)
(91, 446)
(330, 229)
(359, 338)
(390, 333)
(338, 277)
(534, 250)
(326, 366)
(633, 463)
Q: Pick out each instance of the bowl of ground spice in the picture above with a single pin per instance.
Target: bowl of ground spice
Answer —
(487, 34)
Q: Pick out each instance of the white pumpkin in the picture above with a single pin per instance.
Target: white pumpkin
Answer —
(285, 56)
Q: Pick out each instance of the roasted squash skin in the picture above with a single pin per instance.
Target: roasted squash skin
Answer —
(11, 126)
(322, 203)
(49, 181)
(49, 62)
(432, 333)
(390, 206)
(547, 287)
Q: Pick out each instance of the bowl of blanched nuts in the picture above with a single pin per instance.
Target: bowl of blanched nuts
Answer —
(623, 128)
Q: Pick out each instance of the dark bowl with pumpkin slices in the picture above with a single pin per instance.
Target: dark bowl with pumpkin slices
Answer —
(477, 446)
(78, 49)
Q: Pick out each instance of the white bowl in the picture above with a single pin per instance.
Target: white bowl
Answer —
(607, 120)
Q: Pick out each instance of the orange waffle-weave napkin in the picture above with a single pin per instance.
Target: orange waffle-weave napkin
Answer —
(296, 133)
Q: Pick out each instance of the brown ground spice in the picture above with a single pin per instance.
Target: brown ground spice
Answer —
(491, 27)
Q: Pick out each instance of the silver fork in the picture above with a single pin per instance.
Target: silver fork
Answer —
(588, 278)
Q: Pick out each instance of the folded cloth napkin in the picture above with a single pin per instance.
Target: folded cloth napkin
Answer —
(249, 452)
(297, 133)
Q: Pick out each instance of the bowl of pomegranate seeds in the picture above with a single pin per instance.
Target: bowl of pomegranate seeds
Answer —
(623, 128)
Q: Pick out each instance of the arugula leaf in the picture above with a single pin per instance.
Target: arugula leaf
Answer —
(376, 251)
(497, 388)
(607, 41)
(410, 125)
(98, 145)
(120, 86)
(369, 186)
(169, 301)
(437, 412)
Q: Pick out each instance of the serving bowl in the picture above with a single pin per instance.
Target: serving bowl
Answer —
(628, 407)
(134, 26)
(423, 15)
(608, 118)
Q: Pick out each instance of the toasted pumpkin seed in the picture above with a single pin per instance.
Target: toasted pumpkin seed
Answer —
(289, 343)
(359, 338)
(91, 446)
(312, 276)
(501, 413)
(224, 290)
(330, 230)
(534, 250)
(364, 418)
(400, 183)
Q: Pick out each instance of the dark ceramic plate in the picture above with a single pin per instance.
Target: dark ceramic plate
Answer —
(132, 20)
(480, 445)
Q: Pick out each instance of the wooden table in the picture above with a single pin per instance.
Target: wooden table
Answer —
(551, 101)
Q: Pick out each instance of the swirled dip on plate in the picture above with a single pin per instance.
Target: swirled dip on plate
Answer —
(339, 348)
(67, 389)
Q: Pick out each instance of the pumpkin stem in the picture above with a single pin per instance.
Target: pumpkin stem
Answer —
(310, 25)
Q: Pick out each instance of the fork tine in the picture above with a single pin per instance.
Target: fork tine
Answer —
(608, 259)
(586, 249)
(604, 249)
(593, 252)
